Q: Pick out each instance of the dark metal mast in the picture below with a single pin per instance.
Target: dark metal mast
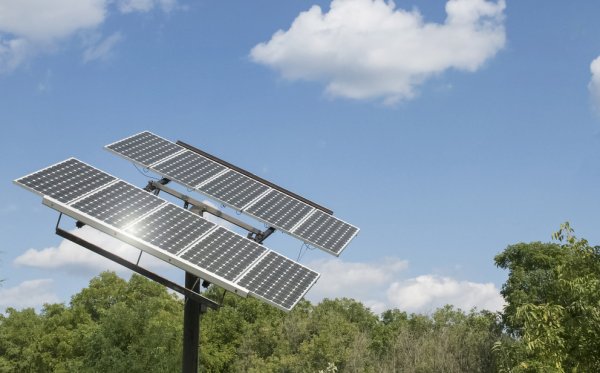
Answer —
(191, 326)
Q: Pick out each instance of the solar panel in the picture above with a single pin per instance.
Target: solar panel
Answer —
(240, 192)
(145, 148)
(175, 235)
(279, 280)
(326, 232)
(280, 210)
(224, 253)
(65, 181)
(171, 228)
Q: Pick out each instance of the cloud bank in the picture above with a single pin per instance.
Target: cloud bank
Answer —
(31, 27)
(425, 293)
(75, 259)
(364, 49)
(363, 281)
(32, 293)
(380, 286)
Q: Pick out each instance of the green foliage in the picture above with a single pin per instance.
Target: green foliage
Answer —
(448, 341)
(553, 296)
(551, 323)
(17, 352)
(115, 325)
(112, 326)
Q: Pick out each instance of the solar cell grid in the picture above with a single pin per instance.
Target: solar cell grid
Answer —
(326, 232)
(234, 189)
(66, 181)
(170, 228)
(224, 253)
(145, 148)
(118, 204)
(188, 168)
(279, 280)
(279, 210)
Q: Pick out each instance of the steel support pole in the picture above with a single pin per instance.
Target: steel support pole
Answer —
(191, 327)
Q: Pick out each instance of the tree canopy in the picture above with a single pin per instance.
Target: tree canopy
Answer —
(551, 323)
(115, 325)
(553, 306)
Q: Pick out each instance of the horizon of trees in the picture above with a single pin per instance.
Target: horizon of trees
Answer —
(551, 323)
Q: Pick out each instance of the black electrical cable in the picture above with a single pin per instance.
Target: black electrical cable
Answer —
(145, 173)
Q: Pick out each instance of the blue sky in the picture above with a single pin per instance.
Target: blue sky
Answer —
(445, 131)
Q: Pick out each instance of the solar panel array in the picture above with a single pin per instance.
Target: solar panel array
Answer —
(169, 232)
(238, 191)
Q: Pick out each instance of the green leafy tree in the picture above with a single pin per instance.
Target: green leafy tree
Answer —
(138, 325)
(111, 326)
(449, 340)
(18, 330)
(553, 306)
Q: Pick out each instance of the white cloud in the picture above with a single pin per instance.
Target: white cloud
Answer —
(427, 292)
(594, 85)
(73, 258)
(380, 286)
(367, 48)
(128, 6)
(102, 49)
(32, 293)
(348, 279)
(365, 282)
(31, 27)
(42, 20)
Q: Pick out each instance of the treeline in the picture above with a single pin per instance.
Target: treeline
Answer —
(115, 325)
(551, 324)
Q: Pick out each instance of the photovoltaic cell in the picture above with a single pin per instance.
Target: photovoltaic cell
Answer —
(170, 228)
(225, 253)
(326, 231)
(278, 279)
(234, 189)
(145, 148)
(188, 168)
(280, 210)
(118, 204)
(66, 181)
